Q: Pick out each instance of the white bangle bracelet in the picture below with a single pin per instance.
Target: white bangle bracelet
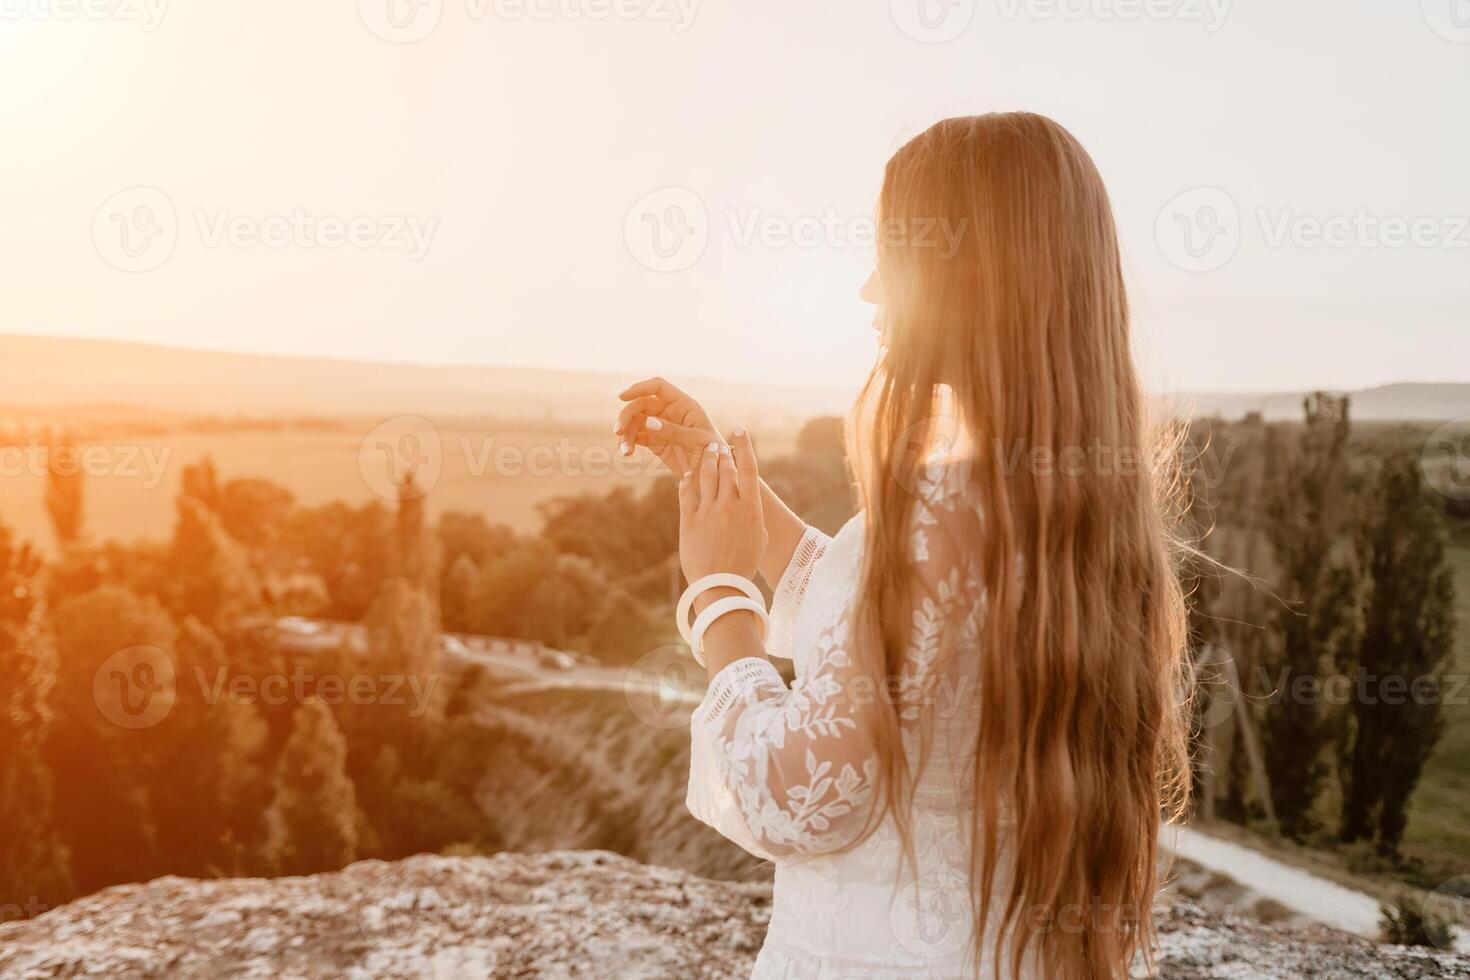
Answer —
(714, 611)
(719, 580)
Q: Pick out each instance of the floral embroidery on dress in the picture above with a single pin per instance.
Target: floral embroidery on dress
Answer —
(789, 774)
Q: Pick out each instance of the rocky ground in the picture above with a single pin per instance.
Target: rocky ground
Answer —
(562, 914)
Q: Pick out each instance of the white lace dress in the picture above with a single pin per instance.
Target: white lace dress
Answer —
(787, 773)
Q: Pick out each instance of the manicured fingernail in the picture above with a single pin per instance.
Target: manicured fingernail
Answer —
(617, 426)
(712, 447)
(724, 450)
(655, 424)
(623, 447)
(739, 431)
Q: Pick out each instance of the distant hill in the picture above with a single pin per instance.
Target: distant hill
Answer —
(1395, 402)
(60, 371)
(64, 371)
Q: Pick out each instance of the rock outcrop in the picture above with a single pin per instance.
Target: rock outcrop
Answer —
(561, 914)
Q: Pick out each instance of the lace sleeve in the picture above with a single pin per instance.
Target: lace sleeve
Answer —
(789, 772)
(789, 592)
(783, 772)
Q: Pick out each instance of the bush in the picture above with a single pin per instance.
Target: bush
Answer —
(1405, 922)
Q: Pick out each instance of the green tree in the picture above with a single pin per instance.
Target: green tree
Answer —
(1407, 636)
(254, 512)
(621, 532)
(104, 734)
(403, 630)
(1305, 506)
(415, 554)
(621, 632)
(536, 593)
(348, 547)
(35, 866)
(64, 489)
(458, 593)
(202, 808)
(213, 578)
(312, 820)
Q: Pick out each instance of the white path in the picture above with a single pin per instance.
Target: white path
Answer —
(1313, 896)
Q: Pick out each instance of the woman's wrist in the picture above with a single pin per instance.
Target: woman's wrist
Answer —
(734, 636)
(709, 597)
(784, 531)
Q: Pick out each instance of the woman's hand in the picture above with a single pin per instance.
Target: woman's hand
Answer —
(721, 528)
(666, 420)
(678, 429)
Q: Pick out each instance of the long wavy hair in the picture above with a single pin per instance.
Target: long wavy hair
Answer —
(1009, 320)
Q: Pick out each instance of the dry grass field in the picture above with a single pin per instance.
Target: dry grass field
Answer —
(500, 468)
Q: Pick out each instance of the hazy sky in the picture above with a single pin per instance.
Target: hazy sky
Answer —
(305, 178)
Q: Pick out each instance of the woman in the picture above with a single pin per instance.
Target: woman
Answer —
(969, 774)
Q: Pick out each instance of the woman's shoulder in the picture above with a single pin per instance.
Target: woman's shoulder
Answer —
(943, 502)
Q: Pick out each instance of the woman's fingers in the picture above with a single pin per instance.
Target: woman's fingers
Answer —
(675, 444)
(662, 432)
(675, 458)
(627, 422)
(729, 489)
(709, 474)
(747, 475)
(657, 387)
(688, 494)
